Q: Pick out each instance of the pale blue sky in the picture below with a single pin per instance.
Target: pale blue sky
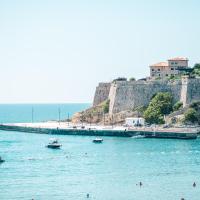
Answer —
(58, 51)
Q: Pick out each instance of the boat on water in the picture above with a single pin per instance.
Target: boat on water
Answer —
(1, 160)
(54, 144)
(98, 140)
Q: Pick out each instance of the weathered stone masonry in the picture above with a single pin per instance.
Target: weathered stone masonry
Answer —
(101, 93)
(127, 95)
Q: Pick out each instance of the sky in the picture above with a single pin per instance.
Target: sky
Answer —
(57, 51)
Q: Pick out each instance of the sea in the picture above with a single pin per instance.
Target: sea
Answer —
(81, 169)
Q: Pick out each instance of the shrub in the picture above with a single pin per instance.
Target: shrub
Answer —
(132, 79)
(195, 105)
(191, 115)
(196, 70)
(120, 79)
(177, 105)
(106, 106)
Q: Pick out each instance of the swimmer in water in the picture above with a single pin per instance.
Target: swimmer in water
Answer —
(194, 184)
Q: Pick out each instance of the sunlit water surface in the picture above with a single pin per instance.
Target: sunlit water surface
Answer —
(110, 171)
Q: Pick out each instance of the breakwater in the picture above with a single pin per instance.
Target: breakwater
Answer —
(101, 132)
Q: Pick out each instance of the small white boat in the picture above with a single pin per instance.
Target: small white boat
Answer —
(98, 140)
(54, 144)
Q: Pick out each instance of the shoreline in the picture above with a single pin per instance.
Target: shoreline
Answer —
(64, 128)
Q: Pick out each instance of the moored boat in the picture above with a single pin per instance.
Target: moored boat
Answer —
(1, 160)
(54, 144)
(98, 140)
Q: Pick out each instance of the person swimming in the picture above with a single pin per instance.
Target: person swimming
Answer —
(88, 195)
(194, 184)
(140, 183)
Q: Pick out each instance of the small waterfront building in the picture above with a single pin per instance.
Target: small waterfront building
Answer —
(173, 66)
(134, 121)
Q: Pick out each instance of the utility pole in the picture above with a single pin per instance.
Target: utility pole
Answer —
(59, 115)
(103, 118)
(32, 113)
(90, 118)
(112, 120)
(68, 118)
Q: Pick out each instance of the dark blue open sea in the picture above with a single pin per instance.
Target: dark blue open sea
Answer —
(108, 171)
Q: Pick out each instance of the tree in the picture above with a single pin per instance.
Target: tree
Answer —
(196, 70)
(197, 66)
(160, 105)
(153, 116)
(191, 115)
(177, 106)
(132, 79)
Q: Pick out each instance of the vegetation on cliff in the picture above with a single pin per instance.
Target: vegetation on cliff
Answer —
(196, 70)
(191, 72)
(105, 105)
(132, 79)
(192, 114)
(160, 105)
(177, 106)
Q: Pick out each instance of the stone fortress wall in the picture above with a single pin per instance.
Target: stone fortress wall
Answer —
(127, 95)
(101, 93)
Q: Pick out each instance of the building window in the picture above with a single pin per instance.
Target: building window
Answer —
(176, 63)
(158, 74)
(158, 69)
(152, 70)
(172, 63)
(166, 75)
(172, 68)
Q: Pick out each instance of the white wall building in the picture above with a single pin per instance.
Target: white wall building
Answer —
(134, 121)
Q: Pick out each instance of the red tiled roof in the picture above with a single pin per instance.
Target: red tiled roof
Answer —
(178, 59)
(160, 64)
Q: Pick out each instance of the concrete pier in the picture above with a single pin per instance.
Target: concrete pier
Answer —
(62, 129)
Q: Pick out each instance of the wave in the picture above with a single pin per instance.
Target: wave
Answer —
(137, 136)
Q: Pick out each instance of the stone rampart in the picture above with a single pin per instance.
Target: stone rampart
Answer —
(193, 90)
(101, 93)
(127, 95)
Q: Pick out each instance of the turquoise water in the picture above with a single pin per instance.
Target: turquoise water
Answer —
(41, 112)
(107, 171)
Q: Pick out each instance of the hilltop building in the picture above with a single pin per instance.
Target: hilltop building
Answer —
(173, 66)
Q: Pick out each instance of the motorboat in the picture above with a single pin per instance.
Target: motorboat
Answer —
(1, 160)
(54, 144)
(98, 140)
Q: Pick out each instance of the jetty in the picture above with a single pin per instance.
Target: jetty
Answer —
(63, 128)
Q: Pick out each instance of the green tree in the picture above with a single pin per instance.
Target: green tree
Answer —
(132, 79)
(160, 105)
(196, 70)
(153, 116)
(177, 106)
(191, 115)
(197, 66)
